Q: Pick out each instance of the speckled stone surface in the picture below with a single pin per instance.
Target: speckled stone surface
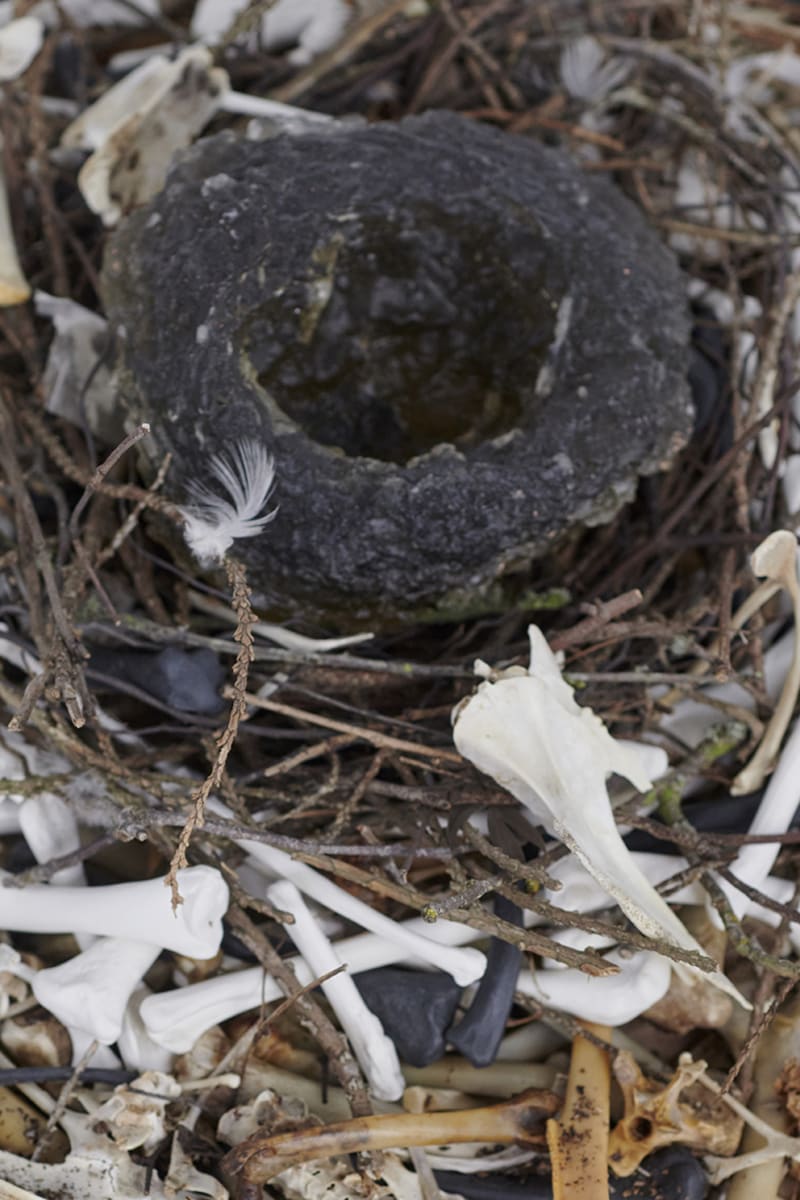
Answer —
(456, 343)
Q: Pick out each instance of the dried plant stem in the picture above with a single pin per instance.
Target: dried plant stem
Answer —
(243, 636)
(528, 940)
(745, 945)
(593, 626)
(245, 22)
(117, 491)
(62, 654)
(86, 565)
(768, 371)
(779, 1043)
(578, 1138)
(62, 1103)
(381, 740)
(131, 521)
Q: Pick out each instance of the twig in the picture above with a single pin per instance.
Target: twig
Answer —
(381, 740)
(745, 945)
(604, 611)
(62, 654)
(354, 38)
(74, 525)
(64, 1097)
(327, 746)
(759, 1027)
(477, 918)
(237, 578)
(99, 475)
(398, 668)
(45, 437)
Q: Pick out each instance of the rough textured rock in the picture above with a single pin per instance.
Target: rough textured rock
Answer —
(457, 344)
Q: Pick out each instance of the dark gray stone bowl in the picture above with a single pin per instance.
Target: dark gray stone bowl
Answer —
(457, 344)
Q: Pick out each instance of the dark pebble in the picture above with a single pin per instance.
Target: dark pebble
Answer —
(185, 680)
(671, 1174)
(478, 1035)
(414, 1007)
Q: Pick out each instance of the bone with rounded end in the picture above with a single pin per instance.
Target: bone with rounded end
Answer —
(14, 287)
(775, 561)
(374, 1050)
(139, 911)
(609, 999)
(90, 992)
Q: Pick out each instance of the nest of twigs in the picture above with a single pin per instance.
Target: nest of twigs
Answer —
(347, 761)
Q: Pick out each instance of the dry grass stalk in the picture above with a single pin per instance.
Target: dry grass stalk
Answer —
(243, 636)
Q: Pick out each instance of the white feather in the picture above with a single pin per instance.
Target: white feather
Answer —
(587, 73)
(214, 522)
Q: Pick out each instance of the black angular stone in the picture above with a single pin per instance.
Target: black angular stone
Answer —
(494, 1187)
(478, 1034)
(457, 344)
(669, 1174)
(414, 1007)
(186, 680)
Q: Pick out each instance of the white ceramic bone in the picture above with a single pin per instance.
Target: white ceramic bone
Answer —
(374, 1051)
(139, 911)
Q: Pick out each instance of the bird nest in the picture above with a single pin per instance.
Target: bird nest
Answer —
(162, 723)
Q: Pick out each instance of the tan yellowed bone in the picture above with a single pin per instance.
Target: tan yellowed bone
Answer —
(260, 1157)
(655, 1116)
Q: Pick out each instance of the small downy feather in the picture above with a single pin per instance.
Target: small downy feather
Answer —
(587, 73)
(214, 522)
